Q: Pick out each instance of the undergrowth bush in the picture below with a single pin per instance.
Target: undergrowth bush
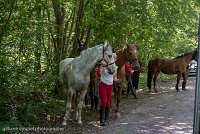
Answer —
(21, 89)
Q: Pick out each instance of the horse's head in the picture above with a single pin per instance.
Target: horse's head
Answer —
(132, 56)
(81, 46)
(107, 59)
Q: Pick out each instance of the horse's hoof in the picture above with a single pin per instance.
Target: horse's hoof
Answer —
(156, 90)
(80, 122)
(178, 90)
(184, 89)
(64, 123)
(92, 109)
(117, 116)
(102, 124)
(148, 91)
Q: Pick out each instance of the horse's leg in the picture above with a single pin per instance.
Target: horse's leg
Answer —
(184, 75)
(80, 105)
(74, 101)
(96, 92)
(86, 99)
(77, 101)
(118, 102)
(154, 81)
(91, 92)
(68, 105)
(115, 96)
(149, 80)
(149, 76)
(177, 83)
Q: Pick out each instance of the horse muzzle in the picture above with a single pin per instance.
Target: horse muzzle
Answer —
(136, 68)
(112, 70)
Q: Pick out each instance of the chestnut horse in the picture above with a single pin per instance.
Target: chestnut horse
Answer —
(127, 53)
(176, 65)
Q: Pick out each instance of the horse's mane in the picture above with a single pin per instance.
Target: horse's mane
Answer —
(125, 46)
(87, 51)
(120, 50)
(183, 55)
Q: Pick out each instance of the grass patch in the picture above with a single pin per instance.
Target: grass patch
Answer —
(161, 76)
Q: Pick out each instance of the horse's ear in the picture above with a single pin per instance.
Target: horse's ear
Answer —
(137, 46)
(79, 42)
(127, 45)
(105, 45)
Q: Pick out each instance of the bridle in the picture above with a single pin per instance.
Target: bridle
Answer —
(103, 59)
(126, 55)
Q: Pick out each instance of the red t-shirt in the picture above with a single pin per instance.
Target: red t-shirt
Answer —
(128, 68)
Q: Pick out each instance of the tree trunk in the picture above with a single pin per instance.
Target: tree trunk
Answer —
(79, 20)
(59, 13)
(37, 52)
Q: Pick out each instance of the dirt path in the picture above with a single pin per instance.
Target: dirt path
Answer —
(164, 112)
(168, 112)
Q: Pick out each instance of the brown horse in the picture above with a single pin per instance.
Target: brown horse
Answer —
(127, 53)
(81, 47)
(177, 66)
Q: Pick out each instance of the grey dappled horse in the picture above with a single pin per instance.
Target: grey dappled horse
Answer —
(75, 74)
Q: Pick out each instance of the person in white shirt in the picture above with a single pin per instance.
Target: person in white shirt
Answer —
(105, 92)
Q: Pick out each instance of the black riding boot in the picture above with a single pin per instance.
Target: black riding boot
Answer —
(102, 116)
(107, 115)
(92, 103)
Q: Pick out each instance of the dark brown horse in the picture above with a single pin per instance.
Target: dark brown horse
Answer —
(81, 47)
(177, 66)
(127, 53)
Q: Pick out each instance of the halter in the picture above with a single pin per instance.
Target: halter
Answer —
(126, 55)
(136, 59)
(103, 59)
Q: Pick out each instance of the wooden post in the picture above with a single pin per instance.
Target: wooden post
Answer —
(196, 125)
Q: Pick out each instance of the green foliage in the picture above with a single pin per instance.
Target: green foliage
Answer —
(19, 87)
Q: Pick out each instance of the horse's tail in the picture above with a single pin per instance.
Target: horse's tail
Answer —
(149, 75)
(61, 80)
